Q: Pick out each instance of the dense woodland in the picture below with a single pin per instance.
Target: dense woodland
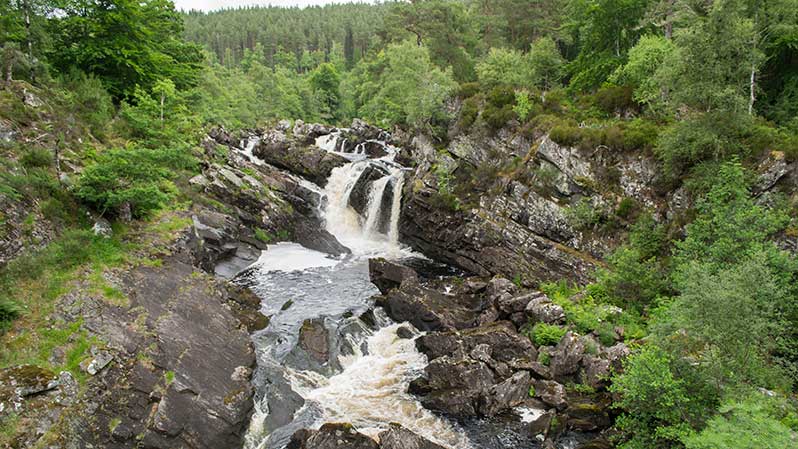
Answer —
(705, 86)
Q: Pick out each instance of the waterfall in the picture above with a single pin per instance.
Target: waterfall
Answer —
(374, 206)
(377, 230)
(396, 207)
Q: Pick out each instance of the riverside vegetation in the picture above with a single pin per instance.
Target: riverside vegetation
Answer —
(104, 104)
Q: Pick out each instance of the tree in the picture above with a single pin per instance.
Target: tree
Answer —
(125, 43)
(504, 67)
(641, 70)
(11, 57)
(325, 82)
(402, 86)
(349, 48)
(546, 65)
(710, 69)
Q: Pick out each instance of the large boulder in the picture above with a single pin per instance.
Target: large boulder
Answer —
(457, 385)
(505, 343)
(506, 395)
(307, 161)
(428, 309)
(398, 437)
(387, 275)
(540, 309)
(567, 356)
(331, 436)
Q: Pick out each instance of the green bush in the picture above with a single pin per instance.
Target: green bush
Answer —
(547, 334)
(37, 158)
(583, 215)
(501, 96)
(469, 112)
(468, 90)
(565, 135)
(615, 99)
(134, 176)
(9, 311)
(639, 134)
(711, 136)
(626, 208)
(497, 117)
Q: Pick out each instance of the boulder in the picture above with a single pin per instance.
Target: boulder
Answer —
(540, 309)
(102, 227)
(551, 392)
(331, 436)
(359, 196)
(307, 161)
(567, 355)
(505, 343)
(398, 437)
(428, 309)
(506, 395)
(457, 385)
(388, 275)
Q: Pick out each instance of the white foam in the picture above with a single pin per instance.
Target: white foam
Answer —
(288, 257)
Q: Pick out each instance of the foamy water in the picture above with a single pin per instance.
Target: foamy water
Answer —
(371, 391)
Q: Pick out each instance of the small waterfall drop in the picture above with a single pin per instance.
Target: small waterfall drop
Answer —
(375, 203)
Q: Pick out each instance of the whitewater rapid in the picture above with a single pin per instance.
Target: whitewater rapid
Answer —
(374, 365)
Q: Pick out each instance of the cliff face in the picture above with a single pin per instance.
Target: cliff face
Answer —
(530, 209)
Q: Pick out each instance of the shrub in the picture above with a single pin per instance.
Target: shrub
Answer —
(501, 96)
(639, 135)
(36, 157)
(547, 334)
(468, 90)
(626, 208)
(711, 136)
(583, 214)
(9, 311)
(615, 99)
(497, 117)
(469, 113)
(565, 135)
(523, 105)
(138, 177)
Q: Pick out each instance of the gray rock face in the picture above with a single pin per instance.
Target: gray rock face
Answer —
(457, 385)
(551, 392)
(567, 355)
(567, 160)
(485, 244)
(507, 394)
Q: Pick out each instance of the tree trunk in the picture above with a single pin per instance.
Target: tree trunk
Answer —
(162, 101)
(29, 42)
(752, 88)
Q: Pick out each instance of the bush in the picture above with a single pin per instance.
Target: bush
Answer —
(583, 214)
(615, 99)
(711, 136)
(468, 90)
(547, 334)
(469, 113)
(501, 96)
(626, 208)
(497, 117)
(36, 157)
(565, 135)
(9, 311)
(138, 177)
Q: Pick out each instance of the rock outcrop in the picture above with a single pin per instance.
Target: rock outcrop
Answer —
(343, 435)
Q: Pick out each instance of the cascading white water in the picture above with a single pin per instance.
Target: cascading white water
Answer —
(370, 391)
(374, 206)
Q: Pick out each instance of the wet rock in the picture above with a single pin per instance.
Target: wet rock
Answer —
(331, 436)
(307, 161)
(309, 234)
(428, 309)
(246, 307)
(359, 196)
(551, 392)
(586, 415)
(398, 437)
(540, 309)
(567, 355)
(404, 333)
(387, 275)
(457, 385)
(506, 395)
(505, 344)
(313, 338)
